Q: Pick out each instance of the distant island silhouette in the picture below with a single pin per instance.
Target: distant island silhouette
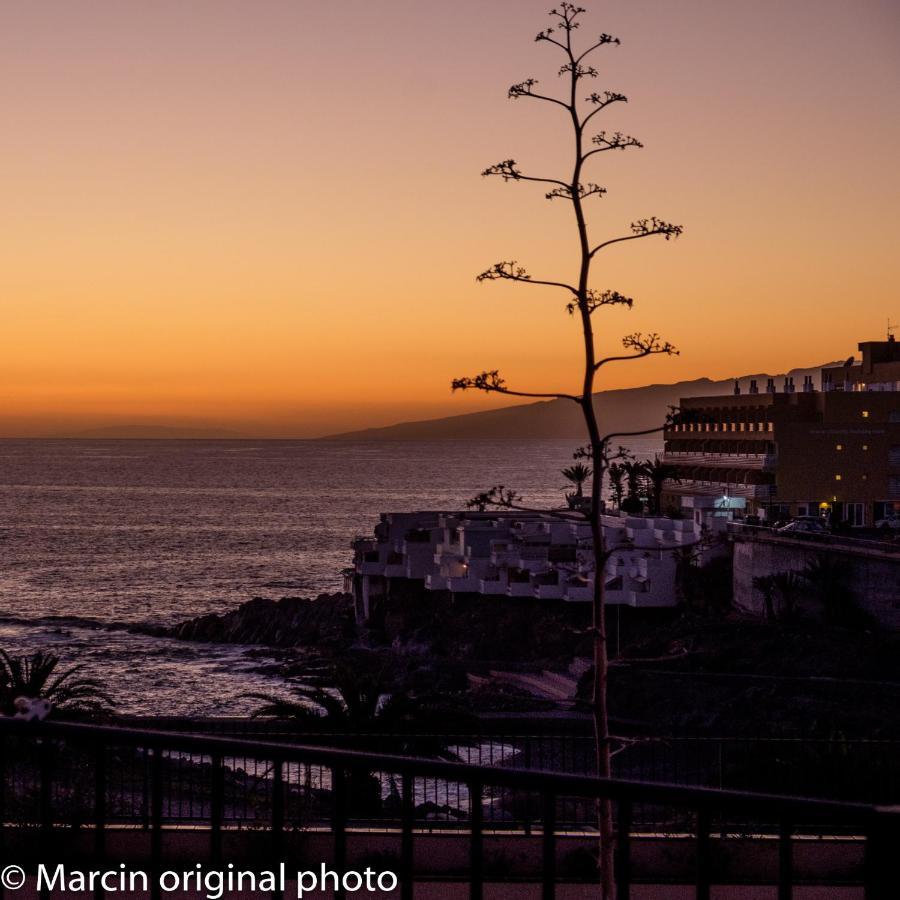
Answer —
(152, 432)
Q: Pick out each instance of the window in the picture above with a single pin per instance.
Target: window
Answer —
(894, 487)
(865, 446)
(838, 446)
(837, 477)
(856, 514)
(865, 414)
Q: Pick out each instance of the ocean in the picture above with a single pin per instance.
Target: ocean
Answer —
(100, 535)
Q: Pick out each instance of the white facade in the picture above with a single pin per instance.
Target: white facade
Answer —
(519, 554)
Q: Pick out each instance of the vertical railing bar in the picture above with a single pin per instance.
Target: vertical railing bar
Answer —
(3, 747)
(873, 868)
(99, 811)
(156, 810)
(785, 861)
(703, 854)
(277, 818)
(623, 850)
(407, 813)
(881, 874)
(216, 809)
(46, 796)
(476, 845)
(46, 805)
(548, 824)
(339, 825)
(145, 792)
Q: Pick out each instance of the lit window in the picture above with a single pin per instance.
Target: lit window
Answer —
(865, 414)
(865, 478)
(865, 446)
(837, 477)
(839, 447)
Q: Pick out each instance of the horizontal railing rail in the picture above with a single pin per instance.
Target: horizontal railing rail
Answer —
(843, 768)
(887, 545)
(33, 743)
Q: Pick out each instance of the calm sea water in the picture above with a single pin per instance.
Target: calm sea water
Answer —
(95, 535)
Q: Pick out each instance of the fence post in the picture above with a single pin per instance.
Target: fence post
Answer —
(99, 810)
(623, 850)
(785, 861)
(548, 817)
(156, 810)
(476, 846)
(882, 875)
(703, 854)
(216, 809)
(339, 825)
(407, 812)
(3, 745)
(277, 818)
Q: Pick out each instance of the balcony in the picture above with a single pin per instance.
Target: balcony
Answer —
(465, 584)
(493, 586)
(258, 803)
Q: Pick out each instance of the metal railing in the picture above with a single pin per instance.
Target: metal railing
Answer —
(76, 769)
(888, 545)
(837, 768)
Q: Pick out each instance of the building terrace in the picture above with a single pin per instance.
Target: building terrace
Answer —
(519, 554)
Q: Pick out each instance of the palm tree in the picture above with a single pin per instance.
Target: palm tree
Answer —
(360, 700)
(38, 677)
(657, 473)
(616, 474)
(788, 586)
(355, 702)
(634, 475)
(578, 475)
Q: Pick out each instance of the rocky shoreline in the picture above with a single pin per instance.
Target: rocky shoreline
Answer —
(324, 624)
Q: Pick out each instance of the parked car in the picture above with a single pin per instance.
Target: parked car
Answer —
(891, 521)
(810, 524)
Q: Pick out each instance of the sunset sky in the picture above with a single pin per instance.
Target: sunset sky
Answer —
(268, 215)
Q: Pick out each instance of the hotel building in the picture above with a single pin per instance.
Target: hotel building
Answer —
(831, 449)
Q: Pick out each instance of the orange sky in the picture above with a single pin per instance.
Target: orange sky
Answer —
(268, 215)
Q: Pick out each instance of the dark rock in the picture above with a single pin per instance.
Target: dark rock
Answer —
(326, 621)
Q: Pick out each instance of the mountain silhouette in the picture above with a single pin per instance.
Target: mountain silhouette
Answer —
(627, 409)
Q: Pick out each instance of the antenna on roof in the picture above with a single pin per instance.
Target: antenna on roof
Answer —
(890, 330)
